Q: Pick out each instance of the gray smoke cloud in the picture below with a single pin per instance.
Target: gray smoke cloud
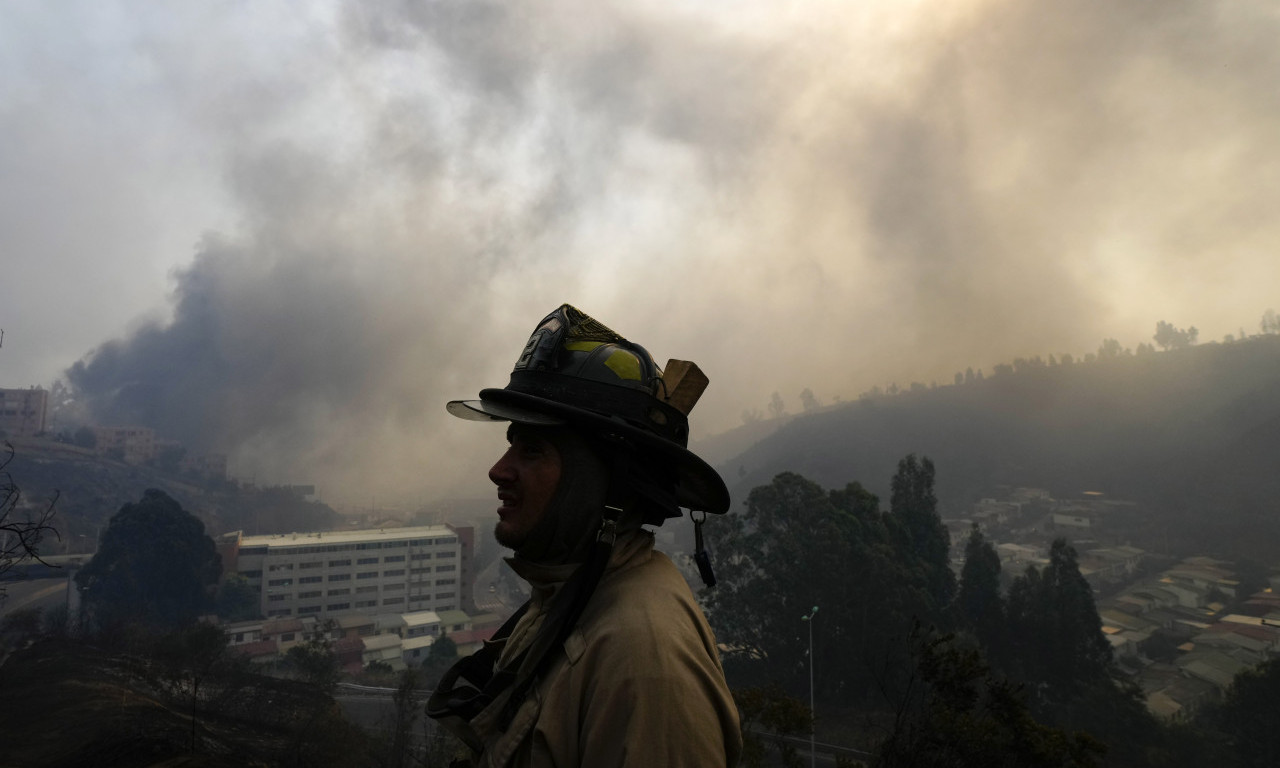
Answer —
(835, 197)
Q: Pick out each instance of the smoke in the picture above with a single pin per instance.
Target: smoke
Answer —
(834, 197)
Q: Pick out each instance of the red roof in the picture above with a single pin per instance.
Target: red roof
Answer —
(468, 636)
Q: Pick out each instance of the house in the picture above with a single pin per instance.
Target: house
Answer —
(385, 649)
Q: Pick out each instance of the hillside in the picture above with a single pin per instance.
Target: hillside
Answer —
(90, 489)
(70, 704)
(1192, 433)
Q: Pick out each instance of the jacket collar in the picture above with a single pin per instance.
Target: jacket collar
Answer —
(630, 549)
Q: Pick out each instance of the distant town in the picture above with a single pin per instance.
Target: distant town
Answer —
(1171, 625)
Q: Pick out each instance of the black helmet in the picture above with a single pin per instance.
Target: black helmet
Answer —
(576, 371)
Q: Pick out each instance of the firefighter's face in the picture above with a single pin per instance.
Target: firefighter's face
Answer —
(527, 476)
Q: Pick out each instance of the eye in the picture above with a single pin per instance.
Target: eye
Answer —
(533, 449)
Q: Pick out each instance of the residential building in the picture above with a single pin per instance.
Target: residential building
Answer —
(331, 574)
(23, 412)
(132, 445)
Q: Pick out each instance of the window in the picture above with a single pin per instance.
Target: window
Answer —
(392, 587)
(308, 609)
(366, 561)
(250, 551)
(367, 575)
(445, 582)
(251, 574)
(421, 556)
(339, 577)
(394, 572)
(286, 637)
(280, 583)
(277, 598)
(339, 563)
(393, 559)
(444, 595)
(418, 598)
(366, 603)
(280, 567)
(416, 571)
(338, 592)
(447, 554)
(311, 564)
(337, 606)
(308, 595)
(279, 612)
(366, 590)
(310, 579)
(445, 568)
(393, 601)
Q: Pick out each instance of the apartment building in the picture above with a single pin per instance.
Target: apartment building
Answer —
(23, 411)
(393, 570)
(133, 445)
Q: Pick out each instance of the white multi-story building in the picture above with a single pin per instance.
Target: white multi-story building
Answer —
(393, 570)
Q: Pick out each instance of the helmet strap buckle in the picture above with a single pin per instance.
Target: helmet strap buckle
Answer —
(700, 556)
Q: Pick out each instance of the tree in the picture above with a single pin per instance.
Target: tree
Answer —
(404, 717)
(913, 506)
(808, 401)
(1056, 633)
(953, 711)
(1248, 715)
(1169, 337)
(189, 658)
(237, 600)
(85, 438)
(153, 567)
(1111, 349)
(978, 602)
(315, 663)
(17, 627)
(1270, 323)
(770, 708)
(797, 546)
(776, 407)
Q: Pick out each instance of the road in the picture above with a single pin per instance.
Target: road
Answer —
(36, 593)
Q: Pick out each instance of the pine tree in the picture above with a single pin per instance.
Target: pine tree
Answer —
(914, 511)
(978, 602)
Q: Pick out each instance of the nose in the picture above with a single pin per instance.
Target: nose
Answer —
(502, 472)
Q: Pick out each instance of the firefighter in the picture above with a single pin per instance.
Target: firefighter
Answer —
(611, 662)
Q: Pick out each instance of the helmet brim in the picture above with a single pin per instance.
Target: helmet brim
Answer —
(698, 485)
(484, 410)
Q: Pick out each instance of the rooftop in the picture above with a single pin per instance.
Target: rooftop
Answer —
(345, 537)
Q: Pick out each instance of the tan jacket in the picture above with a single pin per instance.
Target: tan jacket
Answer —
(639, 683)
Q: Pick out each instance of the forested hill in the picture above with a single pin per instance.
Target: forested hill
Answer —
(1193, 431)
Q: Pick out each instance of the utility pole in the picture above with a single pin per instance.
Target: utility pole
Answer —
(813, 720)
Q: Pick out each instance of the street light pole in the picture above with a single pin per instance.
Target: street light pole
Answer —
(813, 754)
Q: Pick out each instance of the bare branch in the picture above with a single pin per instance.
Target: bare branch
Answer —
(20, 530)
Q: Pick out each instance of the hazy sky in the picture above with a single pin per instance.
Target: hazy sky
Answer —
(292, 231)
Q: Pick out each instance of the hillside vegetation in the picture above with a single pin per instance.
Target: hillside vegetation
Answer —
(1193, 434)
